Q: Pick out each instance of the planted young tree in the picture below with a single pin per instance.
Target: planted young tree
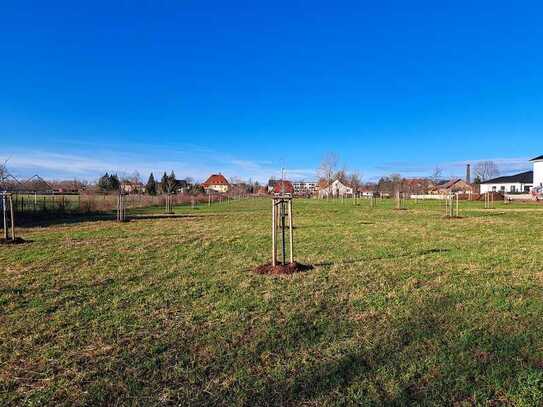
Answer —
(164, 183)
(171, 183)
(8, 216)
(3, 172)
(355, 182)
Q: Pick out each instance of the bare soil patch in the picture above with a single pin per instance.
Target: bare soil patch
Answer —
(17, 240)
(279, 269)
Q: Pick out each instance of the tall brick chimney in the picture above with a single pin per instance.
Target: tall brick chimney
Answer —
(468, 173)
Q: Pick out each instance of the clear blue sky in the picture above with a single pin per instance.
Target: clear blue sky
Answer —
(247, 87)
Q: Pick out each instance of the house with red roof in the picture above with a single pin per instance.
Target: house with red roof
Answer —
(216, 183)
(283, 187)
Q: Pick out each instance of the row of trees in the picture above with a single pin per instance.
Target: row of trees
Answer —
(111, 182)
(167, 185)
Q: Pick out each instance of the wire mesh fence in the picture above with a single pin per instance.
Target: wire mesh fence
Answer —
(28, 203)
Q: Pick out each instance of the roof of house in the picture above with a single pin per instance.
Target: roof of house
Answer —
(448, 184)
(413, 182)
(283, 186)
(537, 158)
(523, 178)
(216, 179)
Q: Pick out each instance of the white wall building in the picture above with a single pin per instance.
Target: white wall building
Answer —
(538, 171)
(335, 189)
(514, 184)
(525, 182)
(304, 187)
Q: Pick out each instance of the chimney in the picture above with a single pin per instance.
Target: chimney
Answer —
(468, 173)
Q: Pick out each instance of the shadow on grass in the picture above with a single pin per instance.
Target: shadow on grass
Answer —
(362, 365)
(332, 226)
(168, 216)
(392, 256)
(52, 219)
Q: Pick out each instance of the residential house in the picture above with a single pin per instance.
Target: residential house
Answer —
(182, 186)
(305, 187)
(271, 184)
(216, 183)
(454, 186)
(335, 189)
(283, 186)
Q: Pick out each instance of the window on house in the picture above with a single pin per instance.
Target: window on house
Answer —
(494, 189)
(513, 188)
(502, 188)
(526, 188)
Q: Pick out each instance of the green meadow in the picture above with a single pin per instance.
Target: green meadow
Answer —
(403, 307)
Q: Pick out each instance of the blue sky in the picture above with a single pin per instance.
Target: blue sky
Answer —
(246, 88)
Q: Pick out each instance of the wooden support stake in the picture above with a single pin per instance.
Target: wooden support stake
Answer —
(4, 210)
(12, 218)
(274, 246)
(291, 234)
(457, 207)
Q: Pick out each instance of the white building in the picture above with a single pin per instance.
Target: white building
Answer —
(525, 182)
(538, 171)
(514, 184)
(335, 189)
(305, 187)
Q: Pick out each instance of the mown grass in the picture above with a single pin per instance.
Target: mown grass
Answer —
(403, 307)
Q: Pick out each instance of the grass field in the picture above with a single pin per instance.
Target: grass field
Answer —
(403, 307)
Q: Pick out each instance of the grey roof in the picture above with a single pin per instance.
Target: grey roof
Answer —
(523, 178)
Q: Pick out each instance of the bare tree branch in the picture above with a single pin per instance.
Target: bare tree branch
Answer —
(328, 166)
(486, 170)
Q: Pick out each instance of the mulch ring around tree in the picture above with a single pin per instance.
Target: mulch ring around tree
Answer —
(280, 269)
(17, 240)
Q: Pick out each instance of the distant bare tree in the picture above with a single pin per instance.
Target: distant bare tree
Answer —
(437, 173)
(486, 170)
(396, 182)
(5, 181)
(328, 166)
(3, 170)
(342, 176)
(355, 181)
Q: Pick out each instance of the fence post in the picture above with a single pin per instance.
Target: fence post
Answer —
(4, 211)
(12, 218)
